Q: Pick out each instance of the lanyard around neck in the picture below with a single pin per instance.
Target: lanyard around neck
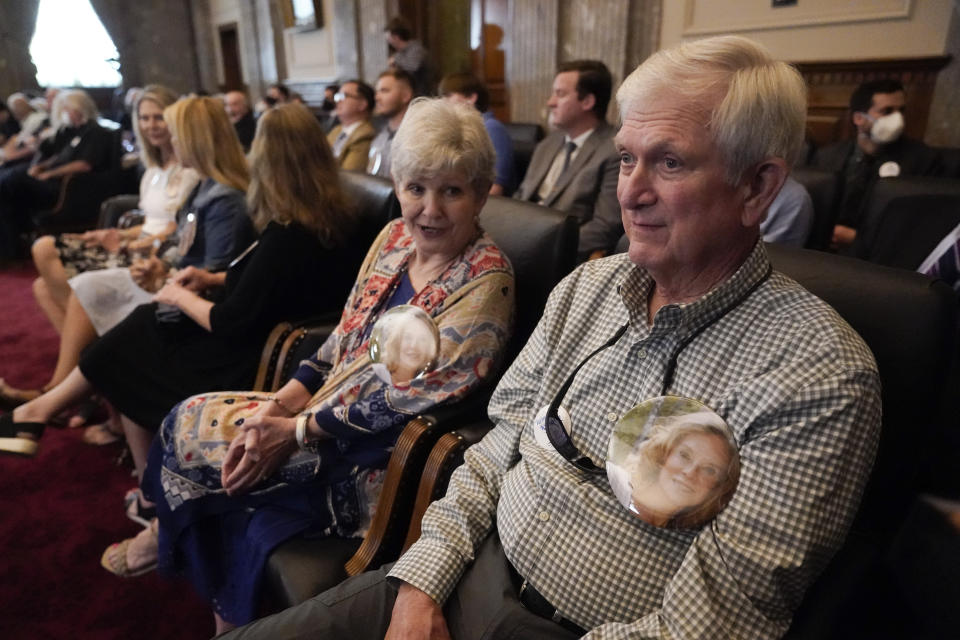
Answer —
(558, 435)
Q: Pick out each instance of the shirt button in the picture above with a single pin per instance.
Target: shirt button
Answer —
(544, 516)
(641, 354)
(612, 417)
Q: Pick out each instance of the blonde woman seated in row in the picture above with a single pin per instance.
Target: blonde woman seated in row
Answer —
(165, 185)
(153, 358)
(229, 474)
(213, 227)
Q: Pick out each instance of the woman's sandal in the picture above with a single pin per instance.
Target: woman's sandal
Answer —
(13, 440)
(83, 412)
(136, 511)
(13, 397)
(100, 434)
(114, 558)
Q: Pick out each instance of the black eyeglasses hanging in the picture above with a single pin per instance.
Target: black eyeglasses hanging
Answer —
(557, 434)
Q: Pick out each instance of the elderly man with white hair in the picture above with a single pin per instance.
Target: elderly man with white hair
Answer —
(530, 540)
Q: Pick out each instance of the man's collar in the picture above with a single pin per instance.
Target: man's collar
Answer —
(637, 286)
(350, 128)
(580, 139)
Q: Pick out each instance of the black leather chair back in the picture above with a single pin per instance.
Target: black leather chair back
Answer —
(524, 131)
(881, 198)
(824, 189)
(910, 228)
(909, 322)
(950, 159)
(375, 205)
(542, 247)
(524, 136)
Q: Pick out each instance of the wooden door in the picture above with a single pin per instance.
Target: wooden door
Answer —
(488, 43)
(230, 55)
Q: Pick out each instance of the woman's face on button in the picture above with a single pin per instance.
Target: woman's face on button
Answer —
(694, 468)
(413, 350)
(440, 212)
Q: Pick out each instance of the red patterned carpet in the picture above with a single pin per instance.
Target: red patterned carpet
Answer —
(60, 510)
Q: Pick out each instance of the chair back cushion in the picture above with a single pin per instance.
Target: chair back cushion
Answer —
(542, 247)
(950, 159)
(883, 193)
(524, 136)
(375, 205)
(909, 322)
(910, 228)
(524, 132)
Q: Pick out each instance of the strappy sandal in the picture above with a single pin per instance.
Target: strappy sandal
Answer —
(12, 440)
(114, 558)
(136, 511)
(13, 397)
(83, 412)
(100, 434)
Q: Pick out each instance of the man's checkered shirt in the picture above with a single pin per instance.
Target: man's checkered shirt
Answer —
(796, 384)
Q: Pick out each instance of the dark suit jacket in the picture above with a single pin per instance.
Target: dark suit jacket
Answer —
(587, 189)
(246, 127)
(914, 157)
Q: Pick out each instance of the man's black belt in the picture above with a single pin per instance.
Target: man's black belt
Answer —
(534, 602)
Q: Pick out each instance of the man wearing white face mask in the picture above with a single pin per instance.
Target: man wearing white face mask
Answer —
(878, 151)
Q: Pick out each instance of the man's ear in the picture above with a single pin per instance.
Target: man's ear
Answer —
(587, 102)
(761, 186)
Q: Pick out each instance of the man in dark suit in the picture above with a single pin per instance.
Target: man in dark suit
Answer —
(575, 168)
(879, 150)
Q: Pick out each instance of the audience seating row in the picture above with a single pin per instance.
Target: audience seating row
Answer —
(908, 321)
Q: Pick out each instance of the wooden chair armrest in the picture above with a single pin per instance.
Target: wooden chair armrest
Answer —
(384, 540)
(269, 356)
(281, 345)
(446, 455)
(62, 198)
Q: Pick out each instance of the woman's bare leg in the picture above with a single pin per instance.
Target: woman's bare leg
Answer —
(77, 333)
(47, 260)
(139, 440)
(48, 305)
(73, 388)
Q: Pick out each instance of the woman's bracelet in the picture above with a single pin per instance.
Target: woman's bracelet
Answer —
(301, 432)
(280, 404)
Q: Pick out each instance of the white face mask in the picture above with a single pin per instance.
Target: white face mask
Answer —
(887, 128)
